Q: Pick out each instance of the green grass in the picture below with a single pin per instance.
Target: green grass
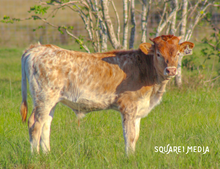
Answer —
(184, 118)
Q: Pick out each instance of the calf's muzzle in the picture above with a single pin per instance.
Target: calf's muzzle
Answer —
(170, 71)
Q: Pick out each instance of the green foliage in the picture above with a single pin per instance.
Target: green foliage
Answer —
(80, 41)
(214, 44)
(38, 9)
(70, 27)
(209, 52)
(217, 4)
(8, 19)
(39, 27)
(64, 1)
(208, 15)
(60, 30)
(153, 34)
(192, 62)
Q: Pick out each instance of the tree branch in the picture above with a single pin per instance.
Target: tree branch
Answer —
(211, 79)
(86, 21)
(161, 20)
(72, 35)
(161, 26)
(199, 16)
(81, 43)
(111, 33)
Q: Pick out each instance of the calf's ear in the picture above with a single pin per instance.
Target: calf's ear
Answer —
(186, 48)
(146, 48)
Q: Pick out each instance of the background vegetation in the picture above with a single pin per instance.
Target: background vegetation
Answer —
(21, 33)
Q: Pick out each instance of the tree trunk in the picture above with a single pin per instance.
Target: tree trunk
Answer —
(118, 20)
(125, 28)
(133, 28)
(102, 28)
(111, 33)
(104, 36)
(184, 21)
(178, 78)
(144, 19)
(174, 4)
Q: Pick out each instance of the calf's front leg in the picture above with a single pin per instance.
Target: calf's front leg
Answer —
(131, 129)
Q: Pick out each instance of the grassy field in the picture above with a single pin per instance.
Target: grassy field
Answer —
(185, 118)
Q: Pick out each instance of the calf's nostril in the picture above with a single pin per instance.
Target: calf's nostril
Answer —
(167, 71)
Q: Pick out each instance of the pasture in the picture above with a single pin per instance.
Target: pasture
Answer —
(185, 118)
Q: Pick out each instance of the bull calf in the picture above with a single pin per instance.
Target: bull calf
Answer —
(129, 81)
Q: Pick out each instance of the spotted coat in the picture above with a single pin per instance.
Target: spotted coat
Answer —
(129, 81)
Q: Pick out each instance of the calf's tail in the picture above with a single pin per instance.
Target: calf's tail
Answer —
(24, 106)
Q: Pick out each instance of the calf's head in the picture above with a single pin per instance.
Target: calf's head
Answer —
(166, 50)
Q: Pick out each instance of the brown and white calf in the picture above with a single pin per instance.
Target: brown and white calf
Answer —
(129, 81)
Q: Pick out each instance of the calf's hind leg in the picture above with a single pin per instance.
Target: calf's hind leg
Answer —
(45, 135)
(40, 115)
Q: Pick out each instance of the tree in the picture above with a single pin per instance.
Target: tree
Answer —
(191, 14)
(178, 78)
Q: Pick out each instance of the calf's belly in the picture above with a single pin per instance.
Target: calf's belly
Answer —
(86, 105)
